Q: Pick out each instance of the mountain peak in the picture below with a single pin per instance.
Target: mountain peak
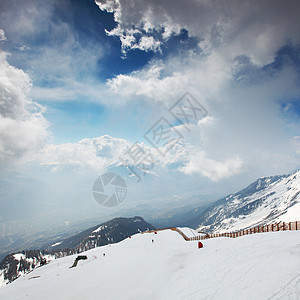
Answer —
(267, 200)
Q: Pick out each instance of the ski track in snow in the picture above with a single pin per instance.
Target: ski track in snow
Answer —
(290, 291)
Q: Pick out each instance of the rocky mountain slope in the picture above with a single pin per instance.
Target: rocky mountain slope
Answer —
(112, 231)
(267, 200)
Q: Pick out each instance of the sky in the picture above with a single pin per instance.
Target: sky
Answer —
(83, 83)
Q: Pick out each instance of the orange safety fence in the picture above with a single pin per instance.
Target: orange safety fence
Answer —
(282, 226)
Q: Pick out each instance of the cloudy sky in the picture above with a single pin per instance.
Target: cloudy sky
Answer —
(84, 82)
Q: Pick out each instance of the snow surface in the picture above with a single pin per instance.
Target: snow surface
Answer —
(259, 266)
(189, 232)
(2, 281)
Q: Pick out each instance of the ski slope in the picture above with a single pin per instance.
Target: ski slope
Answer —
(260, 266)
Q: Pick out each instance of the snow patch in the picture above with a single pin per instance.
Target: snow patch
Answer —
(99, 229)
(19, 256)
(56, 244)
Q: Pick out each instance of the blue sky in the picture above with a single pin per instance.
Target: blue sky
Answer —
(73, 117)
(82, 81)
(78, 27)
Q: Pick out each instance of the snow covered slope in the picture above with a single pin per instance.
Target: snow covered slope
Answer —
(113, 231)
(267, 200)
(257, 266)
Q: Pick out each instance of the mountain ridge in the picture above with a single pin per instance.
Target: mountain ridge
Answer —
(266, 200)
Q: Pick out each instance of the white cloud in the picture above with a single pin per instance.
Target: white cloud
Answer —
(23, 127)
(148, 85)
(148, 43)
(96, 153)
(2, 35)
(62, 62)
(163, 83)
(215, 170)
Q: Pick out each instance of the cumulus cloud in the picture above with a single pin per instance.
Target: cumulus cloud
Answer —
(96, 153)
(23, 127)
(2, 35)
(214, 170)
(255, 28)
(99, 154)
(62, 62)
(164, 82)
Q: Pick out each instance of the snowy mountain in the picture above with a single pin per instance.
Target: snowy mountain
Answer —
(113, 231)
(109, 232)
(165, 266)
(267, 200)
(14, 265)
